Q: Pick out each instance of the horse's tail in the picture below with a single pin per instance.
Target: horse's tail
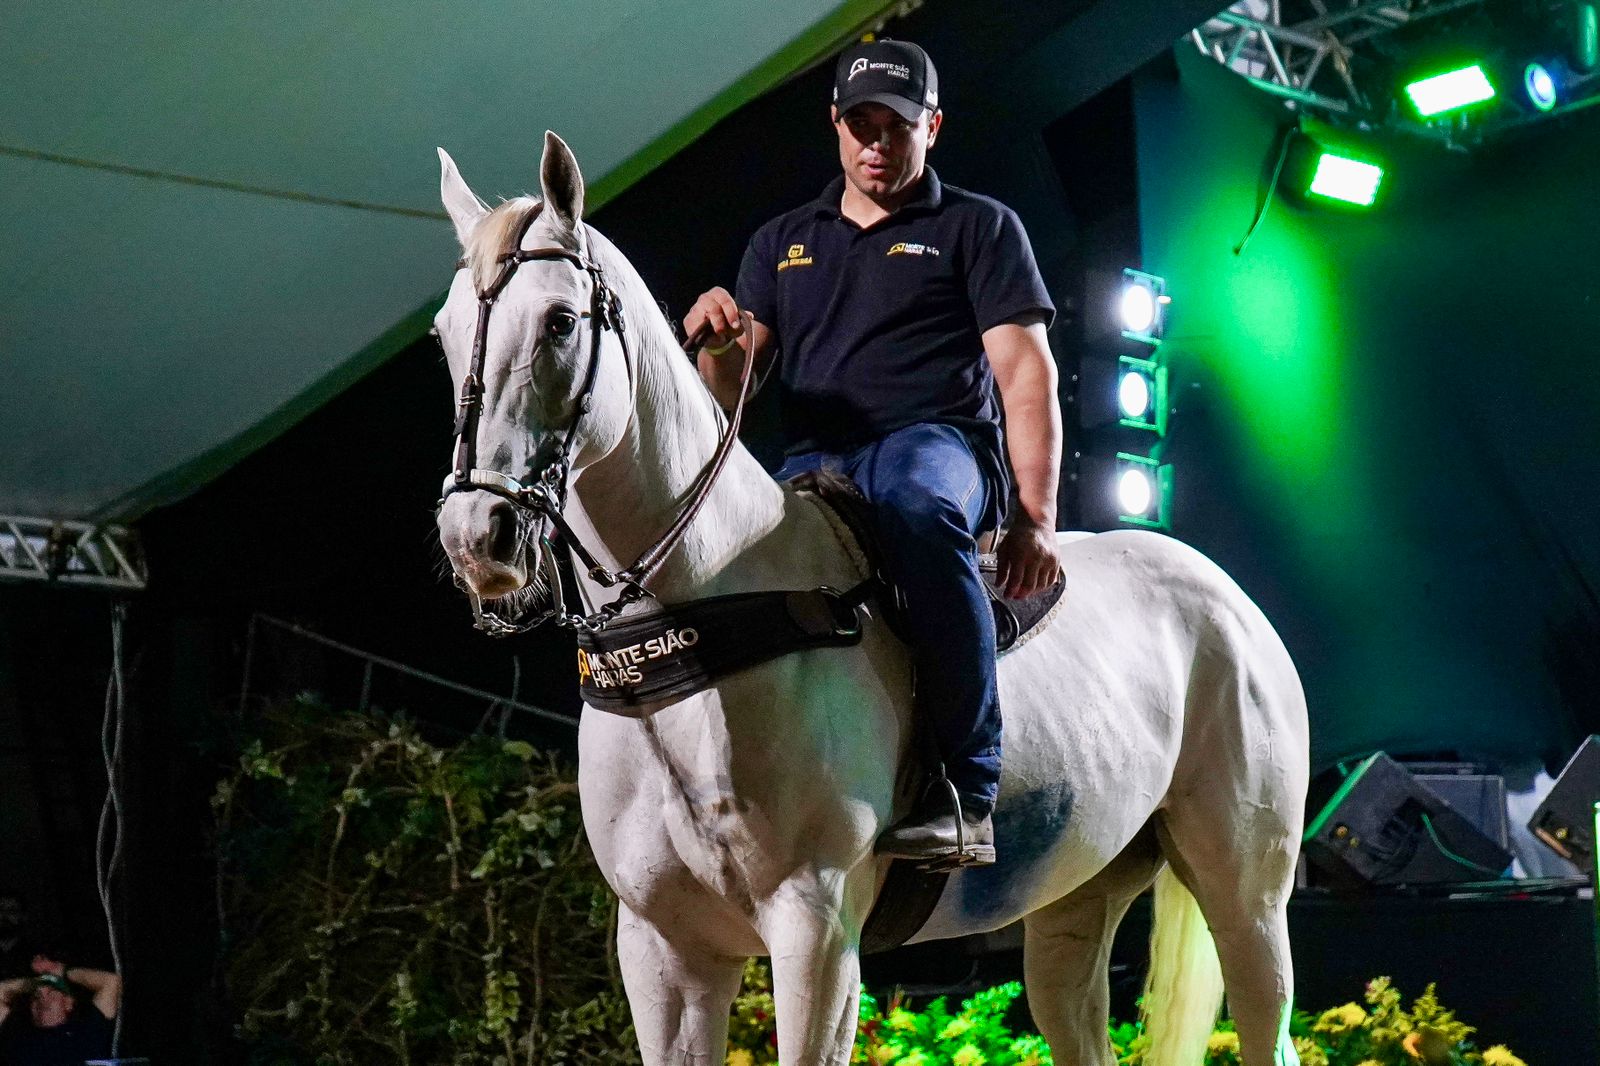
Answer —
(1183, 993)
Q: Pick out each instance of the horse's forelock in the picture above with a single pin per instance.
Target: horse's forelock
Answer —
(495, 235)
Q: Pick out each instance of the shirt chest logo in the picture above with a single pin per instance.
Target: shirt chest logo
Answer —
(910, 248)
(797, 258)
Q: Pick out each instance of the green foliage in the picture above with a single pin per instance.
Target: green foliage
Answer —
(974, 1035)
(1382, 1034)
(390, 901)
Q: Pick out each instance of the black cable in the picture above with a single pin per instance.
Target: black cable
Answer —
(1272, 187)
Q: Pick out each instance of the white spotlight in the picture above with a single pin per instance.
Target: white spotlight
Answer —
(1142, 306)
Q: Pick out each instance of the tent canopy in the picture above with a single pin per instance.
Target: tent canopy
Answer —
(218, 216)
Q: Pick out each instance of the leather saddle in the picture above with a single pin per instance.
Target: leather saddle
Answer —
(910, 893)
(1014, 619)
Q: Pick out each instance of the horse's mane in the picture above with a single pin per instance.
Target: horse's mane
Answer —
(494, 235)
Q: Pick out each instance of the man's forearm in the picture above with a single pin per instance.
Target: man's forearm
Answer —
(1025, 374)
(1033, 442)
(12, 990)
(96, 981)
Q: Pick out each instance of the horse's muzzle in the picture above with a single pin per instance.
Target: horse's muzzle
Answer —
(481, 536)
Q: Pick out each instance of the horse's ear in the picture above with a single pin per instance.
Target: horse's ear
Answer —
(460, 202)
(561, 182)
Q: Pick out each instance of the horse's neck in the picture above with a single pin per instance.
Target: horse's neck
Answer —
(629, 497)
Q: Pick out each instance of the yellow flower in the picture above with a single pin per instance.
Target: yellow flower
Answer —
(968, 1055)
(740, 1057)
(1310, 1053)
(1369, 1062)
(884, 1053)
(1500, 1055)
(957, 1027)
(1341, 1019)
(1223, 1042)
(901, 1020)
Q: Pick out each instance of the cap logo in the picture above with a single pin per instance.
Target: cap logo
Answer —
(856, 68)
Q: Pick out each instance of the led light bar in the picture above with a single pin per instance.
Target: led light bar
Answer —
(1350, 180)
(1449, 91)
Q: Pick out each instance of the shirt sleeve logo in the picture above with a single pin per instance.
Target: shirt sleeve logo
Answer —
(907, 248)
(797, 258)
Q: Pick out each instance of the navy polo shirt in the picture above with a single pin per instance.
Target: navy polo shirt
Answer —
(880, 328)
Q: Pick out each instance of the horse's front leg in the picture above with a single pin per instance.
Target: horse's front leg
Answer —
(812, 929)
(679, 995)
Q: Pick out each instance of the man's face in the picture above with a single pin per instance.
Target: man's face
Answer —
(881, 152)
(51, 1007)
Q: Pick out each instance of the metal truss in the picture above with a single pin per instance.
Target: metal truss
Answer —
(71, 553)
(1310, 51)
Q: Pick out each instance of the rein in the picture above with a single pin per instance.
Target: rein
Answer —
(546, 496)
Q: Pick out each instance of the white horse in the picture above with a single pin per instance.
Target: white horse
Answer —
(1155, 730)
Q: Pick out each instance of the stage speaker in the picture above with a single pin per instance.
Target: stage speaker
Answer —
(1565, 820)
(1479, 798)
(1383, 827)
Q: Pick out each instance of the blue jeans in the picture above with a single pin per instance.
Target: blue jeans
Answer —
(929, 494)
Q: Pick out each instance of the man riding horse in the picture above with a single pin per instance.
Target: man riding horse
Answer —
(898, 304)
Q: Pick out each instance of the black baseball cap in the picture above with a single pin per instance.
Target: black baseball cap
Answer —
(896, 74)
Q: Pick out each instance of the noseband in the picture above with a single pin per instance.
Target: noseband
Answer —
(546, 495)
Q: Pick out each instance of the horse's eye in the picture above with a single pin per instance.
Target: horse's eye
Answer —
(562, 323)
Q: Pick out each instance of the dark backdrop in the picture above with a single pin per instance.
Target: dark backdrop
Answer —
(1386, 420)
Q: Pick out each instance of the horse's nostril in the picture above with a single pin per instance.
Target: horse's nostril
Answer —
(502, 539)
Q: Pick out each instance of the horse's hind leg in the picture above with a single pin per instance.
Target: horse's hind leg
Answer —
(679, 998)
(1067, 955)
(1232, 836)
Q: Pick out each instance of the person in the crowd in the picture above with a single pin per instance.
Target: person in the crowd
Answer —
(43, 1021)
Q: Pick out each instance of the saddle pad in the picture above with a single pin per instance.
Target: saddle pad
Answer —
(1015, 620)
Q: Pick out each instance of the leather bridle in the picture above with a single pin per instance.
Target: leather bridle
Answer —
(546, 495)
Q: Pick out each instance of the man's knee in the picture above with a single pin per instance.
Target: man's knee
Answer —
(920, 510)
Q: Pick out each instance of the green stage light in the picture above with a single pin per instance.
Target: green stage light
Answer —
(1143, 490)
(1450, 90)
(1350, 180)
(1142, 394)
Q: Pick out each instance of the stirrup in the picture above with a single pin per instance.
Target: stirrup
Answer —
(961, 856)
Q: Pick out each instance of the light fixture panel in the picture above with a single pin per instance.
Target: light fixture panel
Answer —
(1142, 488)
(1351, 181)
(1142, 308)
(1142, 380)
(1450, 91)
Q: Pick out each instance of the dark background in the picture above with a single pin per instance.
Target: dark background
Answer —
(1384, 431)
